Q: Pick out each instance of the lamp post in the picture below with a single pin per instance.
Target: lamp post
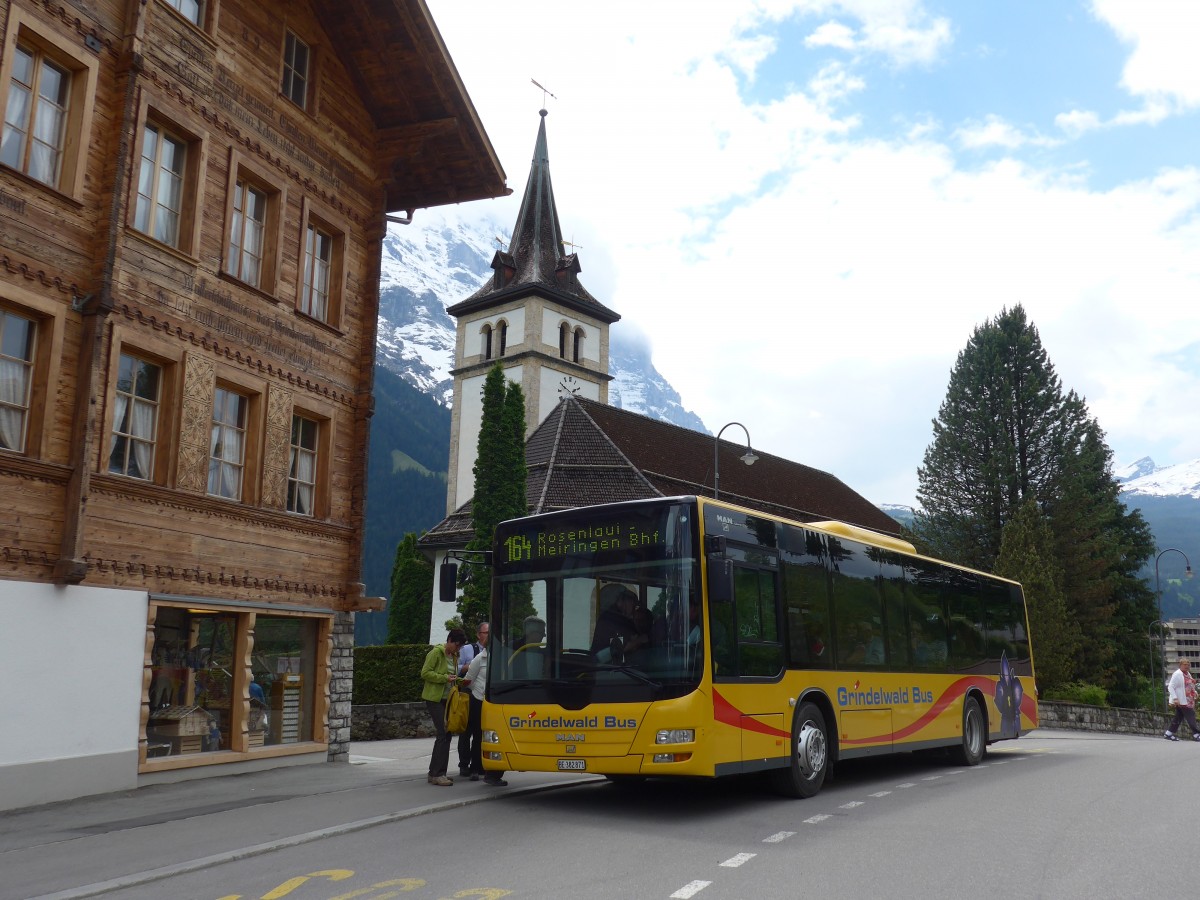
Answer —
(1162, 636)
(748, 457)
(1158, 598)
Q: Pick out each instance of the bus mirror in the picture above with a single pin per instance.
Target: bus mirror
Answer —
(720, 579)
(716, 543)
(448, 582)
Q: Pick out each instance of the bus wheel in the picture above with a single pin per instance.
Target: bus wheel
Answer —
(810, 755)
(970, 752)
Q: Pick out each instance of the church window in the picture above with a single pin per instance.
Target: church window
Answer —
(577, 348)
(503, 329)
(487, 341)
(564, 331)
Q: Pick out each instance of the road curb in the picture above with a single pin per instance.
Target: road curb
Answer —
(150, 875)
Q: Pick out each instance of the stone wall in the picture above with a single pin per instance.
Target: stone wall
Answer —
(1076, 716)
(341, 687)
(387, 721)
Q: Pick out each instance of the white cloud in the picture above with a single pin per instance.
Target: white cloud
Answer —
(1164, 35)
(994, 131)
(832, 34)
(811, 281)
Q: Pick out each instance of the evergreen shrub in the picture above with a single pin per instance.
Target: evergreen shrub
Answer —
(390, 673)
(1078, 692)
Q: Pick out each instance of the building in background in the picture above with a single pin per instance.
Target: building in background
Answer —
(192, 202)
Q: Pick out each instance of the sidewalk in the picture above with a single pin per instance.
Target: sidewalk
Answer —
(81, 848)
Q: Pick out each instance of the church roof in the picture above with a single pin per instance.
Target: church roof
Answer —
(586, 453)
(535, 261)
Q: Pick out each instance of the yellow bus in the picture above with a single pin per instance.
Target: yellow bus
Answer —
(689, 637)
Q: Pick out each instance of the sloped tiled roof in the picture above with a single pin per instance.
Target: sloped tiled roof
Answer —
(586, 453)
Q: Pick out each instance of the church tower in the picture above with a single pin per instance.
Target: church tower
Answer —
(535, 317)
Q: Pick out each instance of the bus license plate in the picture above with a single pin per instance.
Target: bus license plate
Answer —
(572, 765)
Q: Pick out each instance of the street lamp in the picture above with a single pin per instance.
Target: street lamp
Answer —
(1162, 636)
(748, 457)
(1158, 595)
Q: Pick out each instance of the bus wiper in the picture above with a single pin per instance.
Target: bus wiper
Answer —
(632, 672)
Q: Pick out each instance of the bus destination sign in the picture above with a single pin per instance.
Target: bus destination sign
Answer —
(584, 539)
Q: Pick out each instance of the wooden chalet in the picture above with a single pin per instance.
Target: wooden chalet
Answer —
(193, 198)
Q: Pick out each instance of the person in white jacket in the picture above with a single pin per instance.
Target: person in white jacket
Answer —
(1181, 690)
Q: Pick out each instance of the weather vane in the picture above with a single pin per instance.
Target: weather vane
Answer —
(545, 92)
(574, 246)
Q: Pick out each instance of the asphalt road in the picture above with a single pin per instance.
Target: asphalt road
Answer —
(1055, 815)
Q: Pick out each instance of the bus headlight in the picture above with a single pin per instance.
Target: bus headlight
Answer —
(675, 736)
(490, 737)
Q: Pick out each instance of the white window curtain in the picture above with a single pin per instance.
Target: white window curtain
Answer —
(14, 391)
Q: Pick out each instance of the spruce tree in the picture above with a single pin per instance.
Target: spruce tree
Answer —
(411, 596)
(1027, 553)
(1005, 435)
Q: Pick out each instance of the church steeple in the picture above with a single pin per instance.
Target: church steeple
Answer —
(534, 318)
(535, 257)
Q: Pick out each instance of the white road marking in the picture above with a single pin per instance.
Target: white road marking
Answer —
(852, 804)
(882, 793)
(815, 819)
(1002, 762)
(690, 890)
(907, 784)
(734, 861)
(931, 777)
(778, 836)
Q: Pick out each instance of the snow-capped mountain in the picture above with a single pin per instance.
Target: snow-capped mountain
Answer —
(441, 259)
(1148, 480)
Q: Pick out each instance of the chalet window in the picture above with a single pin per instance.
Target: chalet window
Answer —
(302, 466)
(295, 70)
(247, 233)
(318, 263)
(227, 446)
(160, 185)
(17, 340)
(503, 329)
(577, 347)
(323, 252)
(135, 418)
(47, 84)
(487, 341)
(35, 116)
(192, 10)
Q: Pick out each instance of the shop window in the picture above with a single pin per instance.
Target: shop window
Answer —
(46, 89)
(198, 681)
(135, 417)
(227, 446)
(296, 62)
(285, 668)
(18, 339)
(302, 466)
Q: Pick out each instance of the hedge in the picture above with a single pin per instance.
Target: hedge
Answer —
(388, 674)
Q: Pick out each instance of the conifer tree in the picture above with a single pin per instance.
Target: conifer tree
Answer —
(500, 478)
(411, 596)
(1006, 434)
(1027, 555)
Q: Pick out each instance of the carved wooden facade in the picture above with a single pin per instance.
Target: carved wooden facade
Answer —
(192, 204)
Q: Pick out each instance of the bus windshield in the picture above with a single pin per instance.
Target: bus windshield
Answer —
(596, 605)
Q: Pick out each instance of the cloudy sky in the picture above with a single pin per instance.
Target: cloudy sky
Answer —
(806, 206)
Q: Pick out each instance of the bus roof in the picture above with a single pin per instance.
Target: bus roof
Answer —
(863, 535)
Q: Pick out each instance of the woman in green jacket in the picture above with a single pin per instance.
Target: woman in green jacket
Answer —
(439, 672)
